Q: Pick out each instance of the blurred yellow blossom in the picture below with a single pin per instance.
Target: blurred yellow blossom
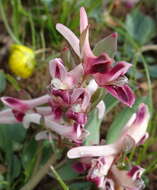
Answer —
(21, 60)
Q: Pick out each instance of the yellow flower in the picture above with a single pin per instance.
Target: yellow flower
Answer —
(22, 60)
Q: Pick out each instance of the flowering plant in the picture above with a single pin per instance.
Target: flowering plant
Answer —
(72, 95)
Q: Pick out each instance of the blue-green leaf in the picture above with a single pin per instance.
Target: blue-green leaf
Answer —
(110, 102)
(107, 45)
(121, 120)
(67, 172)
(140, 27)
(81, 186)
(93, 127)
(10, 134)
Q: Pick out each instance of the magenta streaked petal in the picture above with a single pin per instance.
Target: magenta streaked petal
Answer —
(15, 104)
(143, 139)
(24, 105)
(82, 165)
(79, 133)
(57, 69)
(18, 115)
(82, 97)
(80, 118)
(123, 93)
(138, 128)
(79, 167)
(99, 169)
(119, 70)
(70, 37)
(97, 180)
(136, 172)
(114, 75)
(126, 181)
(97, 65)
(63, 94)
(141, 114)
(123, 179)
(108, 184)
(74, 133)
(57, 111)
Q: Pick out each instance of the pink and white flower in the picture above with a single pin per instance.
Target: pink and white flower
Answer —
(100, 67)
(61, 78)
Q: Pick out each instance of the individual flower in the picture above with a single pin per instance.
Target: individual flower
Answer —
(128, 180)
(61, 78)
(100, 67)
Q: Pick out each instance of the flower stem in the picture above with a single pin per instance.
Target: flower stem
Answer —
(99, 95)
(59, 179)
(38, 160)
(41, 173)
(7, 25)
(148, 48)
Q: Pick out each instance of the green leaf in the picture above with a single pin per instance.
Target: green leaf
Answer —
(15, 167)
(110, 102)
(121, 120)
(3, 183)
(93, 127)
(2, 81)
(153, 71)
(10, 134)
(81, 186)
(67, 172)
(140, 27)
(107, 45)
(28, 156)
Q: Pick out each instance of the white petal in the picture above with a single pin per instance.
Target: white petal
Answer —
(101, 109)
(70, 37)
(31, 118)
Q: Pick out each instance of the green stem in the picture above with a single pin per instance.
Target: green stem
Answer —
(151, 167)
(32, 30)
(38, 159)
(59, 179)
(100, 93)
(41, 173)
(149, 82)
(7, 25)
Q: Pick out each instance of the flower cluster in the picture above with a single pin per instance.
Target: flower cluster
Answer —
(104, 170)
(64, 109)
